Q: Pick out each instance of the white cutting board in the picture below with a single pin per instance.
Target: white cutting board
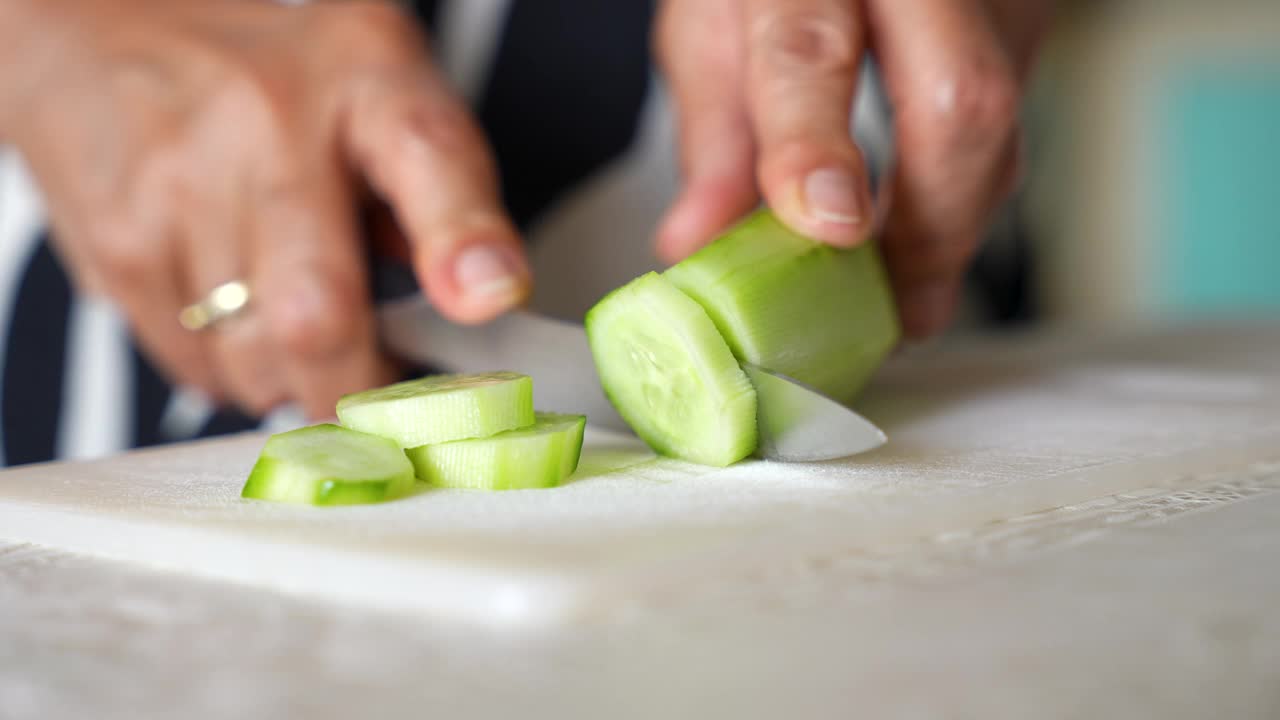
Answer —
(981, 432)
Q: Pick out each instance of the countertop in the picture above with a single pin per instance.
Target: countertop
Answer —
(1157, 601)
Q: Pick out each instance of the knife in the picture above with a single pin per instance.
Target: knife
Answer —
(796, 423)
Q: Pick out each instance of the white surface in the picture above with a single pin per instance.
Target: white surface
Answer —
(1007, 429)
(1144, 605)
(1154, 603)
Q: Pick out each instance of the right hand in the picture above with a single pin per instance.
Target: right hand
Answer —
(181, 144)
(764, 89)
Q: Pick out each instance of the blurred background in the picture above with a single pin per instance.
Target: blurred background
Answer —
(1154, 184)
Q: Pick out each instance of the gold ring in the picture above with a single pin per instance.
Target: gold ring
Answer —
(222, 302)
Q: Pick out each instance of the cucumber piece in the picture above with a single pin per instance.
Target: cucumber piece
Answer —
(671, 376)
(539, 456)
(441, 408)
(329, 465)
(784, 302)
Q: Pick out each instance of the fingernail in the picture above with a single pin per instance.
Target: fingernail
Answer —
(486, 272)
(832, 195)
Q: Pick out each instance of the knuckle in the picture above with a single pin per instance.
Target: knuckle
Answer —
(810, 39)
(124, 252)
(424, 133)
(438, 128)
(978, 104)
(317, 322)
(279, 182)
(263, 106)
(376, 30)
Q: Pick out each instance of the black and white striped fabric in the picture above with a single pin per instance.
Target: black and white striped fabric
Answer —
(584, 140)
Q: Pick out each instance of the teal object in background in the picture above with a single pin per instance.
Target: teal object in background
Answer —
(1218, 190)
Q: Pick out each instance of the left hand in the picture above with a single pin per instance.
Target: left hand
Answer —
(765, 89)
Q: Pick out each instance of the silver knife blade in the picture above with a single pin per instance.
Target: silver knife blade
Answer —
(799, 424)
(554, 352)
(796, 423)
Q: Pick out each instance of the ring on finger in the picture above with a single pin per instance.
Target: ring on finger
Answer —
(224, 301)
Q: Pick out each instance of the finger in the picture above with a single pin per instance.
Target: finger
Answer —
(706, 75)
(422, 154)
(310, 277)
(803, 64)
(137, 267)
(217, 252)
(954, 93)
(67, 240)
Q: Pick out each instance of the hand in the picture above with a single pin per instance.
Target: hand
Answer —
(181, 144)
(765, 88)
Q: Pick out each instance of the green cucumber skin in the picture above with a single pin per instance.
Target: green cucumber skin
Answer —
(695, 370)
(773, 295)
(573, 452)
(330, 493)
(540, 456)
(428, 411)
(339, 493)
(283, 480)
(259, 486)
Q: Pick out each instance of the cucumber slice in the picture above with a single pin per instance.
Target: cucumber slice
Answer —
(329, 465)
(539, 456)
(669, 373)
(820, 315)
(441, 408)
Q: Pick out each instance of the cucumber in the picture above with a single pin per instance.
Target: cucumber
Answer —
(539, 456)
(441, 408)
(671, 375)
(329, 465)
(784, 302)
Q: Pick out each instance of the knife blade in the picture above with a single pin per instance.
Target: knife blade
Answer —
(796, 423)
(553, 351)
(799, 424)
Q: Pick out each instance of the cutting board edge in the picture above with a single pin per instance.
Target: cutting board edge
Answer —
(500, 599)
